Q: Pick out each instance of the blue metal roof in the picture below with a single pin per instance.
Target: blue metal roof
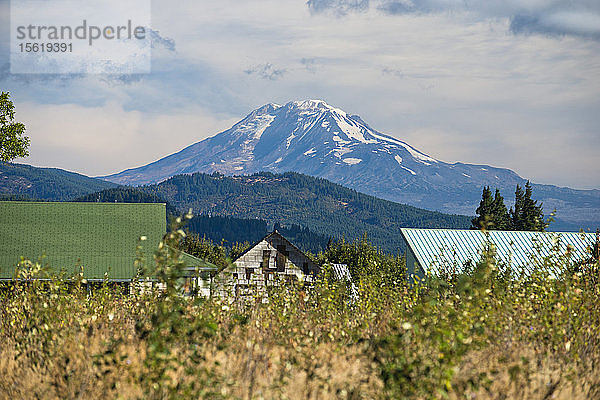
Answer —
(341, 272)
(446, 249)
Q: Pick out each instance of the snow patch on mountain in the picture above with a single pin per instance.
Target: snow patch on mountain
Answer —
(256, 126)
(423, 158)
(351, 130)
(309, 125)
(352, 161)
(409, 170)
(418, 155)
(312, 106)
(289, 140)
(339, 140)
(339, 152)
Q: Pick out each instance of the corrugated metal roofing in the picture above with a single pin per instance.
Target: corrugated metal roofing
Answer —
(341, 272)
(446, 249)
(101, 237)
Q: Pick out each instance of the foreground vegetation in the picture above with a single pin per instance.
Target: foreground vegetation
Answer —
(486, 333)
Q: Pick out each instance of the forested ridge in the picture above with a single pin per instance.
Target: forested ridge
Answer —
(309, 210)
(46, 183)
(224, 230)
(294, 199)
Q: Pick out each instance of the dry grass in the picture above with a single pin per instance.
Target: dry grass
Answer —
(520, 371)
(252, 365)
(249, 368)
(481, 335)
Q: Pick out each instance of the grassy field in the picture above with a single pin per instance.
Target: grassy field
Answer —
(483, 334)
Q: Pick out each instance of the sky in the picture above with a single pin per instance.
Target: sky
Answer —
(512, 83)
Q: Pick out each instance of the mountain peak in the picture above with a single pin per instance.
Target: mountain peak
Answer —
(312, 106)
(309, 106)
(315, 138)
(266, 109)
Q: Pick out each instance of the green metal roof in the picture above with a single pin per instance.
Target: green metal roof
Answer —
(197, 264)
(437, 249)
(101, 237)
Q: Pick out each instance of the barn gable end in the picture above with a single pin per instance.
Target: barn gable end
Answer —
(268, 262)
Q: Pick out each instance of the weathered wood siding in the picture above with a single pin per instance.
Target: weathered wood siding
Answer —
(272, 260)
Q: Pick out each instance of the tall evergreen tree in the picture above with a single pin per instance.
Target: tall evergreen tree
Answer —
(516, 214)
(485, 211)
(527, 214)
(491, 213)
(501, 219)
(533, 214)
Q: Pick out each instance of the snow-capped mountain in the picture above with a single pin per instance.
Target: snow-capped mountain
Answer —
(317, 139)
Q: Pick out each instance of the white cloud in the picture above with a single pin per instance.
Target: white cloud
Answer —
(458, 85)
(102, 140)
(576, 17)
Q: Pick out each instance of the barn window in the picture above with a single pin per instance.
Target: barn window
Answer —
(281, 258)
(249, 273)
(266, 257)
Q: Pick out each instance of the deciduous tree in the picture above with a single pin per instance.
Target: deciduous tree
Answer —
(13, 143)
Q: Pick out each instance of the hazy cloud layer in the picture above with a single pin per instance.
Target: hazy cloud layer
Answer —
(310, 64)
(452, 81)
(161, 42)
(341, 7)
(266, 71)
(575, 17)
(82, 139)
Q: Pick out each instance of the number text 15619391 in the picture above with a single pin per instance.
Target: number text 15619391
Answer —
(46, 47)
